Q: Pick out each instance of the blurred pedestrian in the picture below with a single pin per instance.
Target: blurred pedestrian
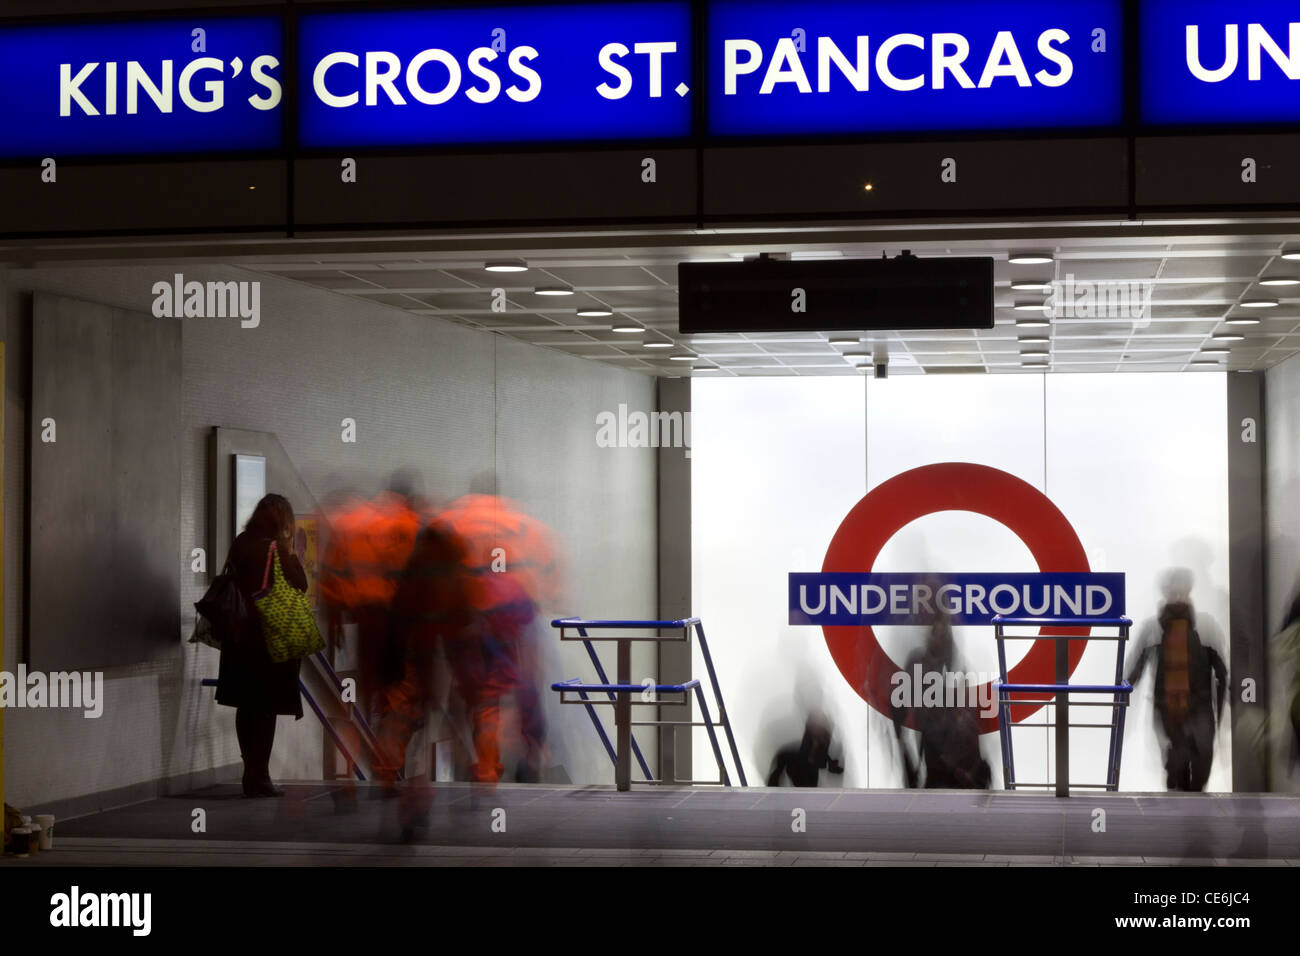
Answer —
(513, 571)
(803, 762)
(1189, 688)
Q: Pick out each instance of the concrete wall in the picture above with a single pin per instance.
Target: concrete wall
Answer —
(446, 401)
(1282, 523)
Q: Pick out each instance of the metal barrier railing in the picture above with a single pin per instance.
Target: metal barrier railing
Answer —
(1060, 692)
(620, 693)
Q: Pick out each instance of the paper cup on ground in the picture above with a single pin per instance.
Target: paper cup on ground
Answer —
(46, 823)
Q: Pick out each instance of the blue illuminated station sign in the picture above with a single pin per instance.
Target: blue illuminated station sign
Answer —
(620, 72)
(194, 85)
(846, 66)
(496, 74)
(1211, 62)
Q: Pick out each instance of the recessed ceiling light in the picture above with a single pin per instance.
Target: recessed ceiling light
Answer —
(1206, 362)
(507, 265)
(594, 313)
(707, 368)
(553, 290)
(857, 355)
(839, 341)
(1032, 285)
(1213, 351)
(626, 328)
(1280, 280)
(1035, 340)
(1036, 352)
(1030, 258)
(657, 345)
(1260, 304)
(1228, 337)
(1024, 305)
(1033, 323)
(1242, 320)
(1291, 255)
(682, 358)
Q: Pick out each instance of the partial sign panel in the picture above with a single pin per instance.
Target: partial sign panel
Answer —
(1206, 62)
(842, 66)
(201, 84)
(536, 74)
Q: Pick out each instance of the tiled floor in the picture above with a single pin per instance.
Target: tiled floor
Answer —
(574, 826)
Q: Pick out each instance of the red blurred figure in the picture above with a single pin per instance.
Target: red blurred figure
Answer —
(433, 607)
(512, 571)
(370, 546)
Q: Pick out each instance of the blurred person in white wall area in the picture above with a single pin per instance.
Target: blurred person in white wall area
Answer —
(802, 763)
(1190, 684)
(948, 733)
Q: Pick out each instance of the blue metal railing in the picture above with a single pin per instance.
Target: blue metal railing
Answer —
(1121, 690)
(613, 690)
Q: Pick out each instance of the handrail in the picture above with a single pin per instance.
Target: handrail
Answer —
(1121, 691)
(623, 625)
(615, 691)
(325, 722)
(1063, 622)
(1123, 688)
(628, 688)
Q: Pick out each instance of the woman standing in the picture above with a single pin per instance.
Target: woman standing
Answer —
(258, 688)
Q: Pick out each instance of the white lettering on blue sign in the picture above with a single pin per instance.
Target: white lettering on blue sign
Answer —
(94, 91)
(844, 598)
(1258, 43)
(950, 54)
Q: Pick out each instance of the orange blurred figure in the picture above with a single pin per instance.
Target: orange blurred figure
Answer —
(369, 548)
(512, 571)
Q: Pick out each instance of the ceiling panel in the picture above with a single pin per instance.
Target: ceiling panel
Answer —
(1197, 281)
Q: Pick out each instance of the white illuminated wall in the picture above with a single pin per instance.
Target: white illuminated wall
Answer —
(1136, 462)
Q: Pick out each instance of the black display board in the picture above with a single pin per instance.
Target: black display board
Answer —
(772, 295)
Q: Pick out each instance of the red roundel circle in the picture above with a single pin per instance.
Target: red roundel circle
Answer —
(951, 486)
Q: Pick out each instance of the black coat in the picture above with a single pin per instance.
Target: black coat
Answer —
(1207, 678)
(248, 677)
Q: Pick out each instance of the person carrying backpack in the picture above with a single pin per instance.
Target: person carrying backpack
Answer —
(1191, 683)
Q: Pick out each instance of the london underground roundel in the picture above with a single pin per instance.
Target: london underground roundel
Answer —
(951, 486)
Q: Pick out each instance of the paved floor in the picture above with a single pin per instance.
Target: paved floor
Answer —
(91, 852)
(317, 823)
